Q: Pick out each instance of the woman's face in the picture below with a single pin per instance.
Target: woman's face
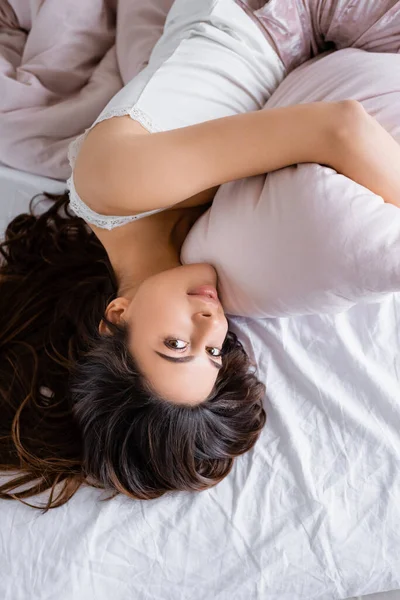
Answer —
(177, 332)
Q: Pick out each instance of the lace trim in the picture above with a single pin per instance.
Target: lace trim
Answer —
(143, 118)
(77, 205)
(74, 148)
(112, 112)
(83, 211)
(135, 113)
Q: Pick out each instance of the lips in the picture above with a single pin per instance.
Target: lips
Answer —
(207, 291)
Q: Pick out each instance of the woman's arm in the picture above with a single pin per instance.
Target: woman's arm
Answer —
(369, 155)
(135, 173)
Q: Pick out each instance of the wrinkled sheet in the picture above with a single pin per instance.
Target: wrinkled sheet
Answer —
(16, 190)
(60, 64)
(313, 512)
(301, 29)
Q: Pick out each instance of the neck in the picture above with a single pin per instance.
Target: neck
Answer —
(149, 246)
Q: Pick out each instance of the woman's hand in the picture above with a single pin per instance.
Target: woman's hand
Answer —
(365, 152)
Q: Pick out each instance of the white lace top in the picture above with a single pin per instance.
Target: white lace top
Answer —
(211, 61)
(77, 205)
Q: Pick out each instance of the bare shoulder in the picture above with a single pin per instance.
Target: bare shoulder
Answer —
(95, 152)
(122, 170)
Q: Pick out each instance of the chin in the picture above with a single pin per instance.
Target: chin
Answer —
(197, 274)
(206, 273)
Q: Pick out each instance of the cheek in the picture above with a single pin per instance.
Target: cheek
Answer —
(146, 313)
(158, 313)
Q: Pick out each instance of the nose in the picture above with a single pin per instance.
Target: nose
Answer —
(207, 318)
(205, 314)
(209, 326)
(206, 310)
(207, 329)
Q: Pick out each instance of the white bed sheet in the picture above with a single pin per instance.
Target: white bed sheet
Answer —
(313, 512)
(17, 188)
(381, 596)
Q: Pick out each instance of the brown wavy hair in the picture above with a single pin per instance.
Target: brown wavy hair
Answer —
(74, 407)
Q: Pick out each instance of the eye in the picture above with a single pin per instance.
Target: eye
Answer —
(175, 344)
(215, 352)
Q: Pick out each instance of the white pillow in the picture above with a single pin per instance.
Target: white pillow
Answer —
(306, 239)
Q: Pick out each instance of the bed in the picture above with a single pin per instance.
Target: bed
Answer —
(16, 190)
(313, 512)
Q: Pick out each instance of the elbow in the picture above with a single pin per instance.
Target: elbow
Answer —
(350, 120)
(348, 133)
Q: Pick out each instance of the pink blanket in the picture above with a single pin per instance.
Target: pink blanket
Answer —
(62, 61)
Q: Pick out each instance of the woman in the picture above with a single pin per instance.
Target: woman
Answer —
(117, 361)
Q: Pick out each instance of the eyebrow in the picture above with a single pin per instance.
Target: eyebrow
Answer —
(185, 359)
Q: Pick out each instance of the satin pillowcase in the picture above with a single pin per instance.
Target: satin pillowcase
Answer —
(305, 239)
